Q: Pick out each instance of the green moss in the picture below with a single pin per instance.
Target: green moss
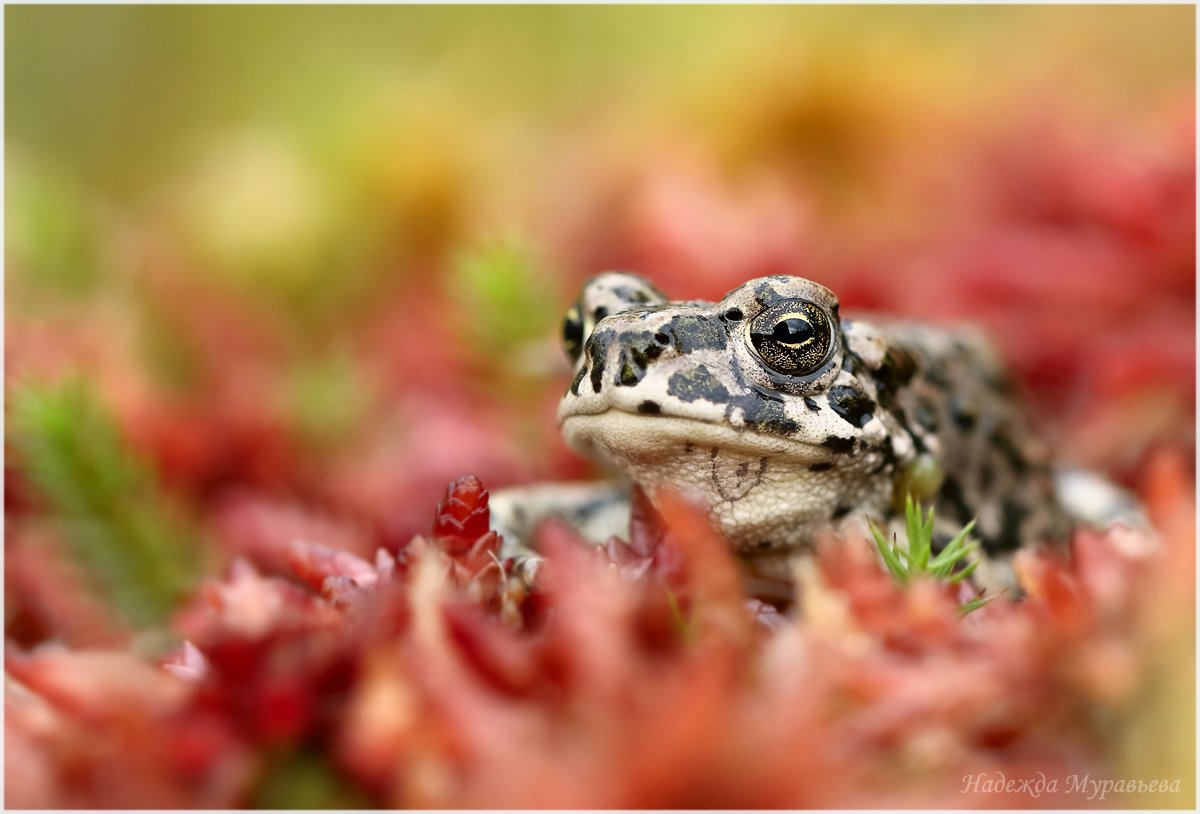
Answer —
(916, 559)
(300, 779)
(507, 297)
(105, 501)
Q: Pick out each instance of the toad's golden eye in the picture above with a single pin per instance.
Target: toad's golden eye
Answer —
(793, 330)
(792, 338)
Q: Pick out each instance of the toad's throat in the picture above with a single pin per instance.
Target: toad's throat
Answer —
(620, 436)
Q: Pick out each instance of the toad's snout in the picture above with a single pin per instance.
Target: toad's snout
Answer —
(621, 356)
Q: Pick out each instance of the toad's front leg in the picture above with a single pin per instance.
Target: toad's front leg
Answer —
(596, 511)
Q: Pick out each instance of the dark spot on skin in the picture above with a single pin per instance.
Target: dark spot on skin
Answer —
(1000, 381)
(690, 332)
(812, 405)
(963, 415)
(898, 367)
(952, 497)
(638, 350)
(630, 372)
(896, 371)
(572, 335)
(902, 417)
(852, 405)
(596, 354)
(936, 375)
(820, 466)
(598, 504)
(1012, 516)
(850, 361)
(630, 294)
(881, 453)
(765, 412)
(736, 484)
(888, 457)
(687, 447)
(926, 416)
(600, 313)
(578, 380)
(696, 384)
(837, 444)
(764, 295)
(1009, 450)
(649, 408)
(644, 293)
(841, 511)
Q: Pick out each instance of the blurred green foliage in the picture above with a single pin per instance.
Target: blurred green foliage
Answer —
(506, 295)
(52, 235)
(94, 84)
(298, 779)
(327, 398)
(106, 503)
(309, 156)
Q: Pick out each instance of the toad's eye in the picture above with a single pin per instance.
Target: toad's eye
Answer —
(792, 331)
(792, 338)
(572, 334)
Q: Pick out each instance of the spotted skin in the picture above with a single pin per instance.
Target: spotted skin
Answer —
(789, 421)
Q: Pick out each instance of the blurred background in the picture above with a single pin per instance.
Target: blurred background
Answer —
(274, 270)
(321, 254)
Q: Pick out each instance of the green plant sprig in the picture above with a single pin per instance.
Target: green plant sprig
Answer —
(113, 515)
(917, 560)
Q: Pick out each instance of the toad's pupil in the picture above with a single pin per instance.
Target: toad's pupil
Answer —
(793, 331)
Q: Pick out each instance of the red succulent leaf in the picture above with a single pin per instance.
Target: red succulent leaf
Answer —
(462, 515)
(645, 524)
(282, 686)
(766, 615)
(482, 554)
(262, 529)
(620, 554)
(47, 599)
(96, 686)
(710, 577)
(342, 592)
(502, 658)
(1056, 591)
(196, 743)
(187, 663)
(315, 563)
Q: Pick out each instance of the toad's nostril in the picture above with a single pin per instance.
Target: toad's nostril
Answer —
(662, 338)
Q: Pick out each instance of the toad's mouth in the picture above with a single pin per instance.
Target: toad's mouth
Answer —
(624, 436)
